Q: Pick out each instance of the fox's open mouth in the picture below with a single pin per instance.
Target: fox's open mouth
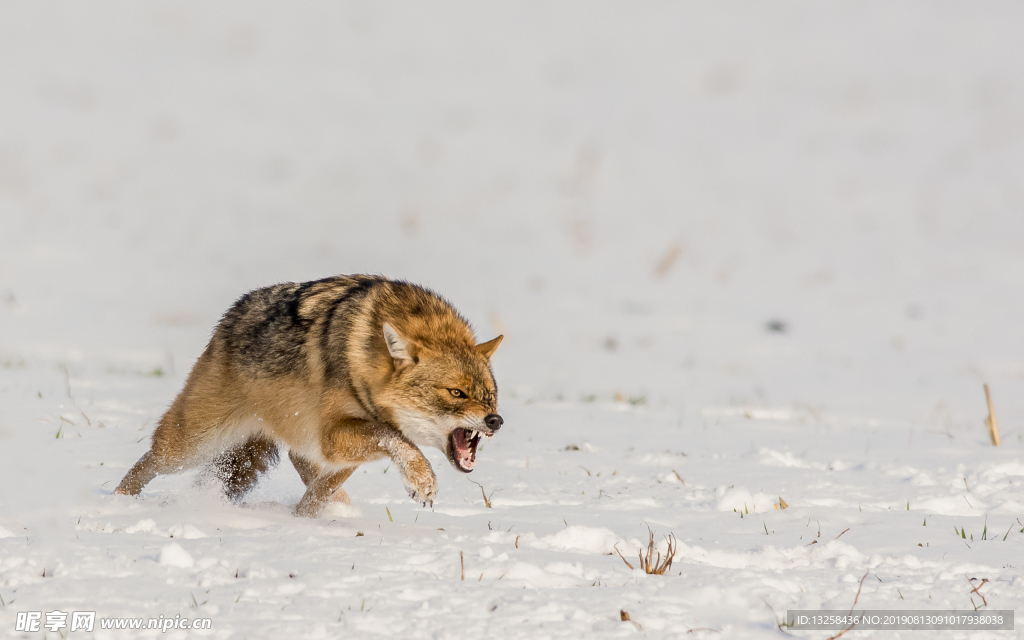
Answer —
(462, 445)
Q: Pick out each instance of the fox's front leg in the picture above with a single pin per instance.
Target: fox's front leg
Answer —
(362, 441)
(417, 474)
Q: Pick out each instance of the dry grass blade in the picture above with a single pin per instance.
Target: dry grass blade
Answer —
(855, 599)
(975, 589)
(487, 498)
(990, 421)
(668, 261)
(779, 623)
(67, 389)
(616, 551)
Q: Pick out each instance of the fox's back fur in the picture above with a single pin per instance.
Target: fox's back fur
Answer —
(341, 371)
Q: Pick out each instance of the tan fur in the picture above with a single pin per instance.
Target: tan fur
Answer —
(341, 371)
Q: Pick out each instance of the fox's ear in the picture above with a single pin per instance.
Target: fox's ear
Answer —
(487, 349)
(399, 348)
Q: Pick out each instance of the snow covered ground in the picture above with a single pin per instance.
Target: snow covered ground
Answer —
(740, 253)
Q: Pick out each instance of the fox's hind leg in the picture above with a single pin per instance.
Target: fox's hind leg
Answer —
(320, 488)
(139, 475)
(170, 452)
(308, 471)
(201, 422)
(240, 468)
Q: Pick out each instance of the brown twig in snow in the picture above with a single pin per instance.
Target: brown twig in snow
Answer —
(975, 589)
(668, 261)
(616, 547)
(855, 599)
(990, 421)
(624, 616)
(487, 498)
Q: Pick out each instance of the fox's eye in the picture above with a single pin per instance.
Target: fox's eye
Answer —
(458, 393)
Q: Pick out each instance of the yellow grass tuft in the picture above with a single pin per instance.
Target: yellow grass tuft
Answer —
(651, 562)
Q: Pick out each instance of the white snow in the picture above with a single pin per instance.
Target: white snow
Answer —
(173, 555)
(741, 253)
(585, 539)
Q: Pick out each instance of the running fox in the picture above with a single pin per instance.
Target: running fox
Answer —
(341, 371)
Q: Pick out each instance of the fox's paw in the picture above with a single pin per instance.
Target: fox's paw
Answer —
(421, 483)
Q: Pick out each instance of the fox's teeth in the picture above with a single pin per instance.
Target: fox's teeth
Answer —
(473, 435)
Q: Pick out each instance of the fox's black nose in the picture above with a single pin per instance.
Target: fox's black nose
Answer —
(493, 422)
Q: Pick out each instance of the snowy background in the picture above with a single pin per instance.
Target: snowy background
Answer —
(739, 252)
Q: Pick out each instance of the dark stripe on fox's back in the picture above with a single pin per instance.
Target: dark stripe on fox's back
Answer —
(264, 332)
(338, 323)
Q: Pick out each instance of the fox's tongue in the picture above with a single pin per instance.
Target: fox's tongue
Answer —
(465, 449)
